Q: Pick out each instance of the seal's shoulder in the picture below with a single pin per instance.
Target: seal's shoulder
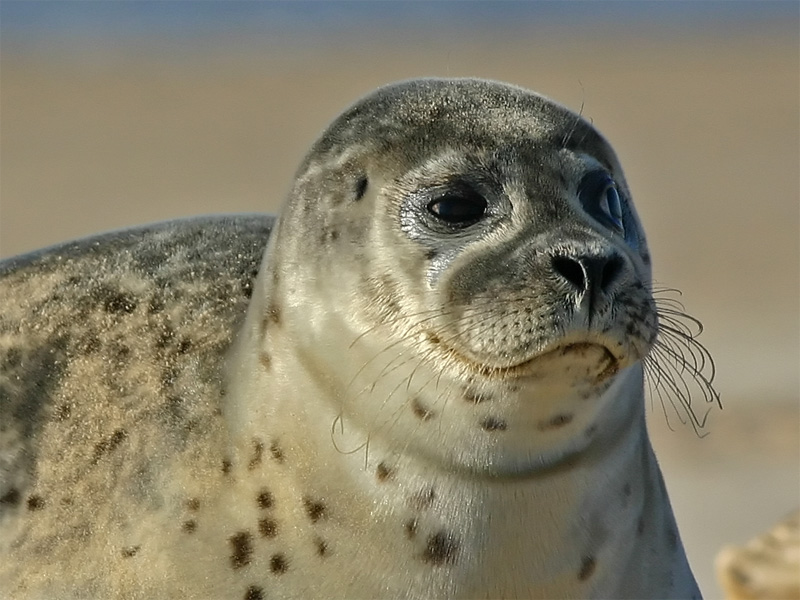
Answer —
(105, 339)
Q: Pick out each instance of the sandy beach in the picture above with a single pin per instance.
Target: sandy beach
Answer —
(705, 124)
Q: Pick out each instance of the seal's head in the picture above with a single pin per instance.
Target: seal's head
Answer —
(462, 252)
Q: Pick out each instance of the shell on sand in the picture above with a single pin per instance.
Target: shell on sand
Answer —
(766, 567)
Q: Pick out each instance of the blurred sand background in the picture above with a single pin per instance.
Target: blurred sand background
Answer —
(118, 114)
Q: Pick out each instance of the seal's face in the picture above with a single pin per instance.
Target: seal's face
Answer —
(529, 253)
(473, 234)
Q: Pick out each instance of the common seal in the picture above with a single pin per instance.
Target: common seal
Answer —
(436, 389)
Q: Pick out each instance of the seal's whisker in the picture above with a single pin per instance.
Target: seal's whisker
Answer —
(684, 342)
(678, 365)
(401, 340)
(340, 420)
(668, 388)
(433, 314)
(395, 416)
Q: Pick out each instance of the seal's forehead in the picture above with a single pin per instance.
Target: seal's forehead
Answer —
(426, 113)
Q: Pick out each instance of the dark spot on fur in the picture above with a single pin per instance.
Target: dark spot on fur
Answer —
(130, 551)
(108, 445)
(168, 376)
(246, 284)
(555, 422)
(423, 500)
(410, 528)
(189, 526)
(265, 499)
(13, 358)
(672, 538)
(268, 528)
(433, 338)
(116, 302)
(494, 424)
(441, 549)
(276, 451)
(258, 454)
(314, 508)
(265, 360)
(165, 337)
(361, 188)
(193, 504)
(227, 465)
(11, 497)
(588, 565)
(241, 549)
(383, 472)
(278, 564)
(184, 346)
(174, 406)
(254, 593)
(274, 314)
(62, 413)
(35, 502)
(430, 254)
(246, 287)
(474, 397)
(322, 547)
(88, 344)
(640, 526)
(328, 235)
(420, 411)
(155, 306)
(120, 353)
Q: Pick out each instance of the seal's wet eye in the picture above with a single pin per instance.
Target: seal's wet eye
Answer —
(460, 208)
(599, 196)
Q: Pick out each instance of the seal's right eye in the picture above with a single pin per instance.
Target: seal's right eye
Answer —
(458, 209)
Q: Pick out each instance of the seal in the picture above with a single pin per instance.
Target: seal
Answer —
(432, 388)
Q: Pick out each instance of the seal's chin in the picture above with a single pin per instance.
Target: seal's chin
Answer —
(607, 363)
(587, 360)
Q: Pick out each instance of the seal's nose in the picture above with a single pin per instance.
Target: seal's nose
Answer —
(589, 274)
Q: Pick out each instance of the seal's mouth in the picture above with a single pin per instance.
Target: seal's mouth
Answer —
(597, 358)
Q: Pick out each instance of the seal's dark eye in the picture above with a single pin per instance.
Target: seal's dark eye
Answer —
(459, 209)
(599, 196)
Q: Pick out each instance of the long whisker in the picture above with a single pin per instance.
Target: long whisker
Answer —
(678, 364)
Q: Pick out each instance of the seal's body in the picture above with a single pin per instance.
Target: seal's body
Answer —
(436, 390)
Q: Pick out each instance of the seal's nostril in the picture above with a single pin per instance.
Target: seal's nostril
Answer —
(587, 272)
(571, 270)
(611, 271)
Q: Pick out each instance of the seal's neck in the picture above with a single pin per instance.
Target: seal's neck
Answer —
(574, 527)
